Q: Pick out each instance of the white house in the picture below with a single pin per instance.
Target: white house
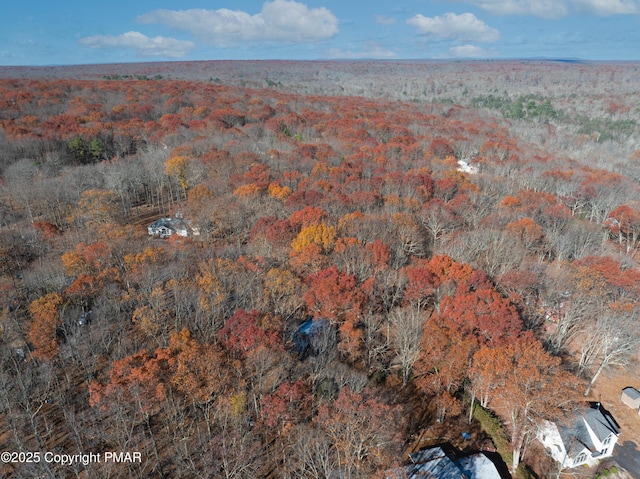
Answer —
(166, 227)
(587, 437)
(466, 167)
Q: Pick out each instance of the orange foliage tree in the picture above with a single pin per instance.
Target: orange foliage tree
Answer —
(45, 314)
(138, 381)
(198, 369)
(523, 383)
(442, 364)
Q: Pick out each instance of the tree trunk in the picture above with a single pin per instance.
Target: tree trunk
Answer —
(473, 399)
(603, 365)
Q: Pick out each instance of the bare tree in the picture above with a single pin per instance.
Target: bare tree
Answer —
(18, 178)
(375, 338)
(314, 455)
(324, 345)
(438, 220)
(407, 326)
(613, 341)
(572, 318)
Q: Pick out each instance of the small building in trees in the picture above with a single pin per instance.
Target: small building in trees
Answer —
(465, 166)
(631, 397)
(309, 336)
(167, 227)
(84, 318)
(586, 437)
(20, 349)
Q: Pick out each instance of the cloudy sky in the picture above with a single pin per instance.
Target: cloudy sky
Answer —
(45, 32)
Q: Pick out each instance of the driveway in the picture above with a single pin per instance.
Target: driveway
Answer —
(627, 456)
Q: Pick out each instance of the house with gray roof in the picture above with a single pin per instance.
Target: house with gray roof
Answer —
(586, 437)
(166, 227)
(442, 462)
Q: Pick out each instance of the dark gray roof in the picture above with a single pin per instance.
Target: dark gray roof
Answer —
(172, 223)
(167, 226)
(601, 422)
(575, 434)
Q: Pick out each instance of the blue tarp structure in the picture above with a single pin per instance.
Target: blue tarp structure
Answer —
(303, 338)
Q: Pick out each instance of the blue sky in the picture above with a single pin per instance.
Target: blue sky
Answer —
(45, 32)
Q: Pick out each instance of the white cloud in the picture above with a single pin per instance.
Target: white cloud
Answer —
(608, 7)
(382, 20)
(468, 51)
(558, 8)
(279, 21)
(372, 51)
(539, 8)
(463, 27)
(145, 46)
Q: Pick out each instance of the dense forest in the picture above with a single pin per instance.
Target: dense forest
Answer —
(374, 250)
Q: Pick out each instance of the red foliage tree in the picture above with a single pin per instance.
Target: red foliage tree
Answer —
(429, 280)
(334, 295)
(48, 230)
(243, 332)
(304, 197)
(307, 216)
(380, 251)
(440, 148)
(289, 404)
(624, 225)
(279, 233)
(477, 308)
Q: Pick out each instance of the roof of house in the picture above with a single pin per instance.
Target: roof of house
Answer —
(180, 226)
(479, 466)
(631, 393)
(310, 326)
(575, 433)
(171, 223)
(601, 421)
(308, 333)
(444, 463)
(432, 463)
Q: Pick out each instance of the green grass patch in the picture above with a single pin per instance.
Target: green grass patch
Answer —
(493, 427)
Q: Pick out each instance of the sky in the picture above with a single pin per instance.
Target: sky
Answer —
(76, 32)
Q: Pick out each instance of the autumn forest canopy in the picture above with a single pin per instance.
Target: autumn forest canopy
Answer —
(461, 236)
